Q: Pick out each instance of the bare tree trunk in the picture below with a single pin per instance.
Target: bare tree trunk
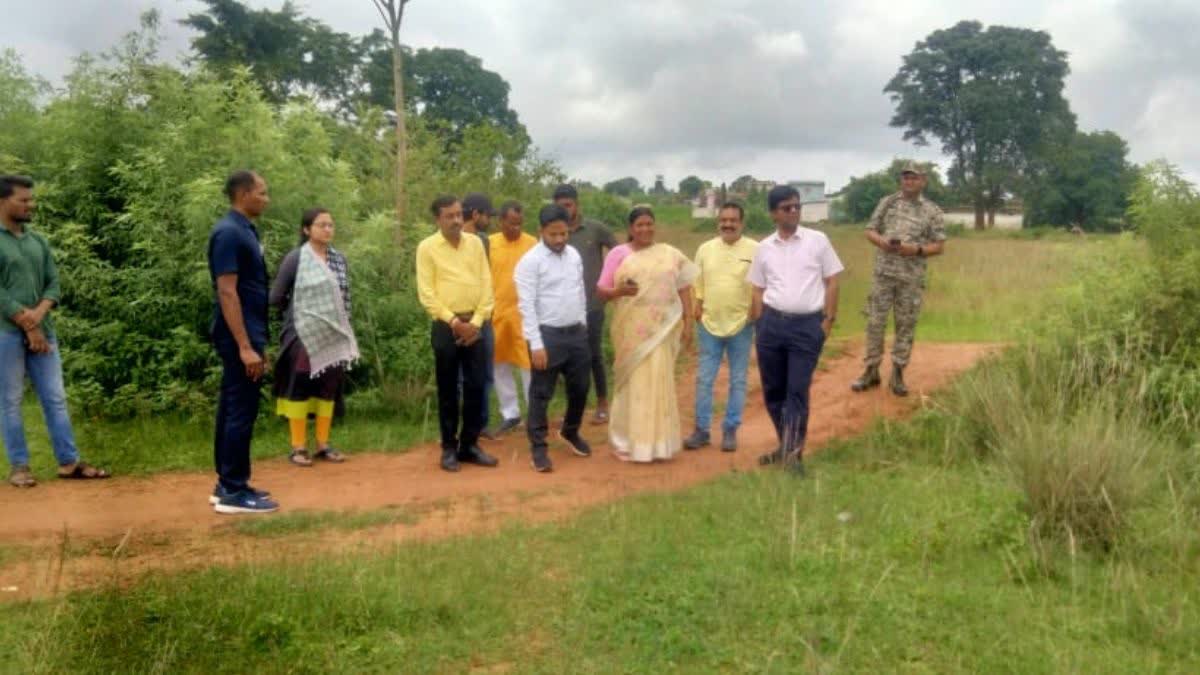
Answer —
(991, 216)
(401, 133)
(979, 211)
(392, 12)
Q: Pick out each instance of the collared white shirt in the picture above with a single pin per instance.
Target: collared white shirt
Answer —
(793, 271)
(549, 291)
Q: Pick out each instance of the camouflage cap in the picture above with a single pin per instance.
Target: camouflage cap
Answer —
(912, 167)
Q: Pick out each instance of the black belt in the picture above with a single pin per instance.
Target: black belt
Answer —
(565, 330)
(819, 314)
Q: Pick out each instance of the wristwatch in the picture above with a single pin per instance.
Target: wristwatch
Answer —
(920, 251)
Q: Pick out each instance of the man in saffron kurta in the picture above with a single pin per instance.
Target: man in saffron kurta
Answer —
(511, 352)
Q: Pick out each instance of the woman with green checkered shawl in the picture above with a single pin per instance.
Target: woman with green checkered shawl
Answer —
(312, 290)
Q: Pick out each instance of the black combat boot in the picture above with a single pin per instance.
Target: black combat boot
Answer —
(868, 380)
(897, 383)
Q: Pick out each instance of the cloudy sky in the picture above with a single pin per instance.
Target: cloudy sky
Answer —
(781, 89)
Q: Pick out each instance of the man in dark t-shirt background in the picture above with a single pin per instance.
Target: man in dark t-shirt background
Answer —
(593, 241)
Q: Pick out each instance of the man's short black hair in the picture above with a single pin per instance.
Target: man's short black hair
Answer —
(442, 202)
(736, 207)
(780, 194)
(551, 213)
(239, 181)
(9, 185)
(511, 205)
(566, 191)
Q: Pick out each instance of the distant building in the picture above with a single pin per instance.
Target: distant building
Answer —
(761, 185)
(707, 203)
(814, 204)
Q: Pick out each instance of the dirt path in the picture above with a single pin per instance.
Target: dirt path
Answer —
(61, 536)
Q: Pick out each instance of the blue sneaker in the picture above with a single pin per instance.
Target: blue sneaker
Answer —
(245, 502)
(219, 492)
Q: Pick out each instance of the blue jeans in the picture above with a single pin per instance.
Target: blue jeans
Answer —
(712, 349)
(45, 371)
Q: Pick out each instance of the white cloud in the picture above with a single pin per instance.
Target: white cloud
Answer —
(777, 88)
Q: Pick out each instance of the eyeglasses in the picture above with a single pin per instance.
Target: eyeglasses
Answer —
(788, 208)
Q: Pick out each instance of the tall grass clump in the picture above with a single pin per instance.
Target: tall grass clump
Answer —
(1093, 417)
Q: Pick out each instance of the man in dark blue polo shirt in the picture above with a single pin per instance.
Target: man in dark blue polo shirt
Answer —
(239, 333)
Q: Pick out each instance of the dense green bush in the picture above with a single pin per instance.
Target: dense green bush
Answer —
(130, 157)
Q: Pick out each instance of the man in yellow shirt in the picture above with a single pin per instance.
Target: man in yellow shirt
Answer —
(511, 352)
(454, 284)
(723, 296)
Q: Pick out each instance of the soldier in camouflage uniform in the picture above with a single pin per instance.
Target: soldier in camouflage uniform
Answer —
(906, 228)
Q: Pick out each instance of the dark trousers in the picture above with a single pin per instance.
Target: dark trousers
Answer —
(237, 410)
(487, 337)
(595, 334)
(788, 348)
(450, 360)
(568, 354)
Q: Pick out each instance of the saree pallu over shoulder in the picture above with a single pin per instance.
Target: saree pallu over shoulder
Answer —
(641, 323)
(644, 422)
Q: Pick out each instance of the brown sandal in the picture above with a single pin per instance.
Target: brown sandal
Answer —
(83, 471)
(300, 458)
(21, 477)
(330, 455)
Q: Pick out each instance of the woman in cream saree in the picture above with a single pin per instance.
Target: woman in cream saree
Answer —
(649, 286)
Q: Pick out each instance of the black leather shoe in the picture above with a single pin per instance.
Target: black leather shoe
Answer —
(897, 383)
(697, 440)
(578, 445)
(776, 456)
(794, 463)
(541, 462)
(508, 425)
(868, 380)
(449, 461)
(729, 440)
(475, 455)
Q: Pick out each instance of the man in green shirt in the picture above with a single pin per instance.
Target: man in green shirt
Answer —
(28, 291)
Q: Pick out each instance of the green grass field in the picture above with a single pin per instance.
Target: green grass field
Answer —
(907, 567)
(900, 553)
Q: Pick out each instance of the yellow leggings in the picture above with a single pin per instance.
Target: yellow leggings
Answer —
(297, 413)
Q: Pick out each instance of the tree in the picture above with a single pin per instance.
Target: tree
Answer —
(623, 186)
(392, 12)
(289, 54)
(690, 187)
(994, 98)
(742, 184)
(1085, 183)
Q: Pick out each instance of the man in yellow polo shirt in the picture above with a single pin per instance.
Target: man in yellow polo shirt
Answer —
(723, 297)
(454, 284)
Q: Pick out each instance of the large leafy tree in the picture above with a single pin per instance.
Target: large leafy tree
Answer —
(993, 98)
(690, 187)
(449, 86)
(288, 53)
(623, 186)
(1085, 182)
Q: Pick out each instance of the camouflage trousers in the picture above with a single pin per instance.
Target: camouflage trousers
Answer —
(903, 298)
